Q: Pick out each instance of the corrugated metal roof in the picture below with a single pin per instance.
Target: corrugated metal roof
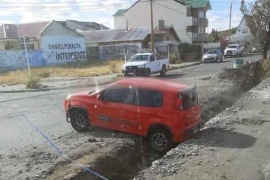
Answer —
(110, 35)
(31, 29)
(86, 23)
(120, 12)
(11, 31)
(8, 31)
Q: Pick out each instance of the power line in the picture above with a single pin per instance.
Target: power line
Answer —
(169, 8)
(57, 9)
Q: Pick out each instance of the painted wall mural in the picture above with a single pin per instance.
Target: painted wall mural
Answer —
(118, 50)
(17, 59)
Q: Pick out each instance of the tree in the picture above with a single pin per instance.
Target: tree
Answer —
(258, 21)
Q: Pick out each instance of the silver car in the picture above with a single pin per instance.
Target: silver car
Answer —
(213, 55)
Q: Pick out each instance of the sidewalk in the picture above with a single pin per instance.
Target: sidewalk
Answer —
(54, 83)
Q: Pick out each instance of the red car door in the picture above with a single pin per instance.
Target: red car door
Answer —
(145, 106)
(110, 107)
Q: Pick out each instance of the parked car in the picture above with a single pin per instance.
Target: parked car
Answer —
(213, 55)
(233, 50)
(162, 111)
(145, 64)
(243, 48)
(254, 50)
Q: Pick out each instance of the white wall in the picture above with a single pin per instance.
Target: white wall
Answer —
(59, 49)
(60, 44)
(173, 14)
(119, 22)
(58, 29)
(242, 32)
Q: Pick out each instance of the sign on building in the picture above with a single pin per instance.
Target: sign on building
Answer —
(59, 49)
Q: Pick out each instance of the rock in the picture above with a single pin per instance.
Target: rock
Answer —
(12, 156)
(92, 140)
(20, 172)
(211, 149)
(195, 154)
(216, 165)
(70, 176)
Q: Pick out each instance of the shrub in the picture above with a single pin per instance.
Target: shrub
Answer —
(173, 58)
(33, 82)
(44, 74)
(113, 66)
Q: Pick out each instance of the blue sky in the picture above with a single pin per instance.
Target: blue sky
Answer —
(101, 11)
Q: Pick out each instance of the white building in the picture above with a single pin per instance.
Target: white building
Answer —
(242, 33)
(187, 17)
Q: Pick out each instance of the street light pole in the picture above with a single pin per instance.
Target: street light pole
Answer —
(27, 59)
(229, 41)
(152, 26)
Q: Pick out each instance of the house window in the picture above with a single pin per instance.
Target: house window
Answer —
(201, 14)
(189, 12)
(201, 29)
(29, 46)
(7, 47)
(189, 29)
(244, 31)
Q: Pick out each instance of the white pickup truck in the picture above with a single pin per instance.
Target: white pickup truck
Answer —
(234, 50)
(145, 64)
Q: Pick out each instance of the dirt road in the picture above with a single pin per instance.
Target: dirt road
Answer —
(25, 154)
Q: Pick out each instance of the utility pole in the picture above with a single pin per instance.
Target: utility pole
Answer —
(229, 41)
(23, 41)
(152, 26)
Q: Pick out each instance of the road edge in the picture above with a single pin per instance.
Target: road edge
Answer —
(90, 84)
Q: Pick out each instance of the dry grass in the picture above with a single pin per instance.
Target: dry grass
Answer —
(81, 70)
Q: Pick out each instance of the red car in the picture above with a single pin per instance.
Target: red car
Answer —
(163, 111)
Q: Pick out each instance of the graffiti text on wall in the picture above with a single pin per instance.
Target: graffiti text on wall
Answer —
(17, 59)
(64, 46)
(70, 55)
(60, 49)
(118, 50)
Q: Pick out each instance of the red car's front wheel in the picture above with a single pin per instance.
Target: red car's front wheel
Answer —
(79, 120)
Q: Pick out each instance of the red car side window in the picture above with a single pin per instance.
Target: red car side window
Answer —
(118, 95)
(148, 97)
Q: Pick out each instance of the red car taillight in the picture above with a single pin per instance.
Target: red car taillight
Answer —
(186, 99)
(178, 103)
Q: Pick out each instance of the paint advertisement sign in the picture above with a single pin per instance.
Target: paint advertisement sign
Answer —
(59, 49)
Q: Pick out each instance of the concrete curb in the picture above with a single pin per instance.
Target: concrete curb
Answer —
(185, 66)
(86, 85)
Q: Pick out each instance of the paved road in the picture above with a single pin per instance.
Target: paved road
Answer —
(45, 109)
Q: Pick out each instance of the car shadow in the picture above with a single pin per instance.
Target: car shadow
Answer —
(169, 76)
(223, 61)
(218, 137)
(99, 132)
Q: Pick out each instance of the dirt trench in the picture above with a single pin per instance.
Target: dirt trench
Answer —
(127, 161)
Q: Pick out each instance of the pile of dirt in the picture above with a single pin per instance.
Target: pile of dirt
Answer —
(247, 76)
